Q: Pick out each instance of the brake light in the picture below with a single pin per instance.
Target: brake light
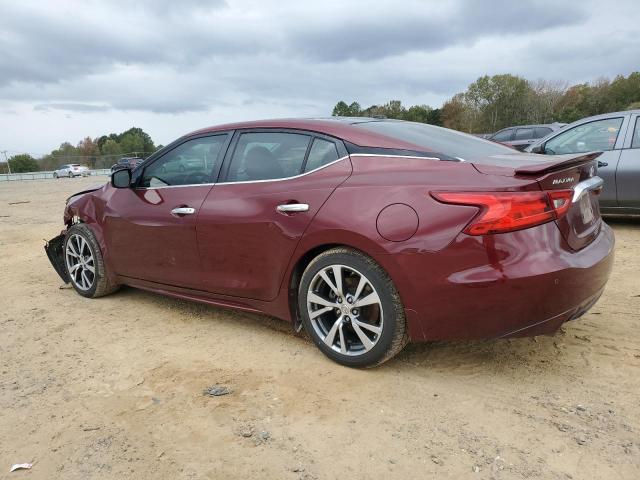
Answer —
(508, 211)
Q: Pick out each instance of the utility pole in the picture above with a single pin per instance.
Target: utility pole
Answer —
(6, 160)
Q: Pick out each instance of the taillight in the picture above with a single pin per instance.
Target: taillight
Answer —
(508, 211)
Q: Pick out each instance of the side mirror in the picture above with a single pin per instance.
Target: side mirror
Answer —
(538, 149)
(121, 178)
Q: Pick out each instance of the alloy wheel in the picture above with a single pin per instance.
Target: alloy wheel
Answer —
(80, 262)
(345, 310)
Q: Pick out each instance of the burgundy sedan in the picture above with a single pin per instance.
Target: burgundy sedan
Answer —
(369, 233)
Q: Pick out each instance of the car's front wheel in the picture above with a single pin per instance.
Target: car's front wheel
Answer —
(351, 308)
(85, 264)
(55, 175)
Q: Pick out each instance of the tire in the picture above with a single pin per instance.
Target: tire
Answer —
(70, 175)
(55, 175)
(374, 310)
(81, 240)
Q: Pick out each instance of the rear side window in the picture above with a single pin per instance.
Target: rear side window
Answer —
(503, 136)
(322, 152)
(542, 132)
(267, 156)
(437, 139)
(524, 134)
(636, 135)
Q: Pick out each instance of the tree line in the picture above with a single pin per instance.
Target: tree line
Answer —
(495, 102)
(100, 152)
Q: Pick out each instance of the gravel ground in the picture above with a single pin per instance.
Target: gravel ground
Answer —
(113, 388)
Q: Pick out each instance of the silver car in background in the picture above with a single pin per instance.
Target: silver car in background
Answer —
(71, 170)
(615, 134)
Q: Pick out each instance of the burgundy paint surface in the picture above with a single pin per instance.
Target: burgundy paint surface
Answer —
(239, 252)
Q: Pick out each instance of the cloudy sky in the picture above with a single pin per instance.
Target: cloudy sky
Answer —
(71, 69)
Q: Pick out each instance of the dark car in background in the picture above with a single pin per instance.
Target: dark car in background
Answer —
(520, 137)
(369, 233)
(126, 162)
(617, 136)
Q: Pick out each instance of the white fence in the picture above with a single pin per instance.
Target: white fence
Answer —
(44, 175)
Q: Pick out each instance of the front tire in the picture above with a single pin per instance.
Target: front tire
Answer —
(85, 264)
(351, 309)
(55, 175)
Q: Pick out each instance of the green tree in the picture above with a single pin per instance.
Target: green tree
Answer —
(23, 163)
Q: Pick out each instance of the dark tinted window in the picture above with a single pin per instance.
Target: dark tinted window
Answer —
(524, 134)
(542, 132)
(438, 139)
(266, 156)
(322, 152)
(599, 135)
(190, 163)
(636, 135)
(503, 136)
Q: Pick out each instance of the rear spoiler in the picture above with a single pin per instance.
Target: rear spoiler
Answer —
(546, 167)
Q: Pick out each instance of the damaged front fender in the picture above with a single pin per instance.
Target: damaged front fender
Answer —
(55, 252)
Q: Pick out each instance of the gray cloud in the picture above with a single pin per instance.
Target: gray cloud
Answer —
(215, 60)
(71, 107)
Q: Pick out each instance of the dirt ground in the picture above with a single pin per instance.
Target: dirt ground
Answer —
(113, 388)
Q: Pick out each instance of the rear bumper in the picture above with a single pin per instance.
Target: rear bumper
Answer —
(518, 284)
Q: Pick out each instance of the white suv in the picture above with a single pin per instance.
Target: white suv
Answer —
(71, 170)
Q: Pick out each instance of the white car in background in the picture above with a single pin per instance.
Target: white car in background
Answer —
(71, 170)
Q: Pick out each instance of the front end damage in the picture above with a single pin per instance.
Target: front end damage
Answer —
(55, 252)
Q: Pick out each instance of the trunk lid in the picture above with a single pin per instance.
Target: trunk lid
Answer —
(581, 223)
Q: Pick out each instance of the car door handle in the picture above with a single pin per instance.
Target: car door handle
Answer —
(292, 207)
(602, 164)
(179, 211)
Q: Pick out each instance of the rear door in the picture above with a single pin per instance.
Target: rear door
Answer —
(596, 135)
(628, 173)
(523, 138)
(274, 183)
(151, 229)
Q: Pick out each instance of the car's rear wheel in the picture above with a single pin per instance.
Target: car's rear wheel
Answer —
(351, 308)
(70, 175)
(84, 263)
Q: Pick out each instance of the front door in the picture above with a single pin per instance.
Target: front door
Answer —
(152, 228)
(250, 223)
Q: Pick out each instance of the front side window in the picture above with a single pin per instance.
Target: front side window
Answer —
(190, 163)
(503, 136)
(322, 153)
(635, 143)
(267, 156)
(600, 135)
(524, 134)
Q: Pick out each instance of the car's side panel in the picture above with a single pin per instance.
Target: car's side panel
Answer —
(245, 243)
(628, 171)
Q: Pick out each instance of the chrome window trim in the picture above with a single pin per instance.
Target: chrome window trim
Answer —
(295, 176)
(393, 156)
(247, 181)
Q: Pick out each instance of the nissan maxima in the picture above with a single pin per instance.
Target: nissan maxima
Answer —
(368, 233)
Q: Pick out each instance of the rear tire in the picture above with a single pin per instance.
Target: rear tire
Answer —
(70, 175)
(85, 264)
(351, 309)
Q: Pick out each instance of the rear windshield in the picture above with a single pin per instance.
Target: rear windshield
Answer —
(438, 139)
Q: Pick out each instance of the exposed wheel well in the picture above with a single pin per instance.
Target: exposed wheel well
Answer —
(297, 272)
